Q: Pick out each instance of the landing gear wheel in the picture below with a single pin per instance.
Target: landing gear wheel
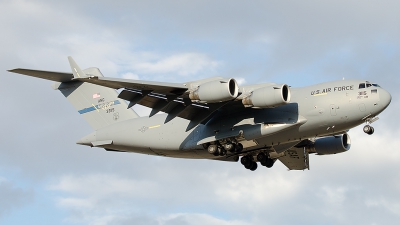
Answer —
(212, 149)
(367, 129)
(216, 153)
(239, 148)
(222, 152)
(371, 131)
(262, 158)
(247, 161)
(229, 146)
(253, 166)
(233, 149)
(248, 165)
(269, 163)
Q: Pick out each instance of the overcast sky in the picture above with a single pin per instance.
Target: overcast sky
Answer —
(45, 178)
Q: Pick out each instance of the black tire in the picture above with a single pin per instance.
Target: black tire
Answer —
(261, 157)
(229, 146)
(212, 149)
(269, 163)
(253, 166)
(367, 129)
(222, 152)
(247, 161)
(371, 131)
(248, 165)
(239, 148)
(219, 151)
(244, 160)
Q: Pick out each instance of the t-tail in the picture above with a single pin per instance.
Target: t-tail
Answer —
(99, 106)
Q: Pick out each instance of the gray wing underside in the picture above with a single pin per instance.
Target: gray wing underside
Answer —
(171, 98)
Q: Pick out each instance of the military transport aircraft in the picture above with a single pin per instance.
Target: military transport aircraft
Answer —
(216, 119)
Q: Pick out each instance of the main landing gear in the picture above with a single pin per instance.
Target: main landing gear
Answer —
(218, 149)
(249, 163)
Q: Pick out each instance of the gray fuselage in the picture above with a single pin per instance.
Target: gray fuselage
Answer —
(314, 111)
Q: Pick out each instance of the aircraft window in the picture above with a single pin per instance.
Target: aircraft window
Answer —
(374, 91)
(376, 85)
(369, 85)
(362, 85)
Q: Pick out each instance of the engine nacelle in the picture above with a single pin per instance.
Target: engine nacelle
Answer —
(215, 91)
(331, 145)
(268, 97)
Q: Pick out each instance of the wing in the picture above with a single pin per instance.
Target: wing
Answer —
(171, 98)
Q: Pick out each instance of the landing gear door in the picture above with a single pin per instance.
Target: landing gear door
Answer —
(295, 159)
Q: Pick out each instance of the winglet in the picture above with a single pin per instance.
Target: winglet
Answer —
(78, 73)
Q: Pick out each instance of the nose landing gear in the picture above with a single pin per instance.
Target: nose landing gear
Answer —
(368, 129)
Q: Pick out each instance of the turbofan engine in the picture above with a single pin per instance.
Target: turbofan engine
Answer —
(331, 145)
(215, 91)
(268, 97)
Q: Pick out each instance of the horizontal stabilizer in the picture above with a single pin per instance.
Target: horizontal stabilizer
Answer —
(48, 75)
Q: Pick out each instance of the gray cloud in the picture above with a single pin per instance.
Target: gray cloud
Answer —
(12, 197)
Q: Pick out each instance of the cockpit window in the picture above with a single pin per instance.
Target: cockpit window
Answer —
(376, 85)
(369, 85)
(362, 85)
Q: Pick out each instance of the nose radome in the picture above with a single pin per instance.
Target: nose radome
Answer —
(385, 98)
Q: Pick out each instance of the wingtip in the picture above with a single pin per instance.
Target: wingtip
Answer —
(13, 70)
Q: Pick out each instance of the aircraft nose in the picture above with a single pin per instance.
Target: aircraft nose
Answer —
(385, 98)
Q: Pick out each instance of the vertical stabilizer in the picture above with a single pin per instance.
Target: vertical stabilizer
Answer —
(100, 106)
(78, 73)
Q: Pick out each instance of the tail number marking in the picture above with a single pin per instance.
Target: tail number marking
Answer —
(108, 107)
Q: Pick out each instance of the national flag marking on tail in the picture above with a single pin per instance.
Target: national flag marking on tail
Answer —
(97, 95)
